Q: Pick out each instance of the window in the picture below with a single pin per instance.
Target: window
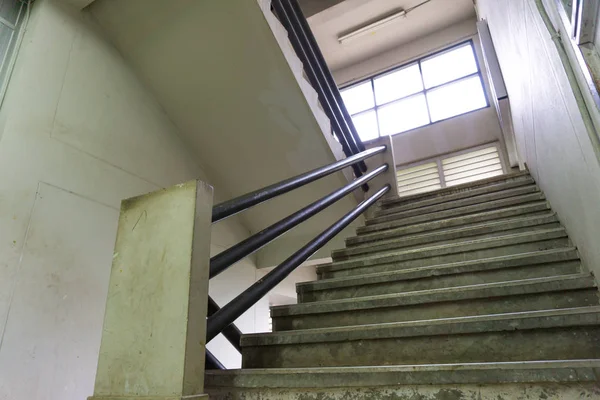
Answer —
(428, 90)
(11, 18)
(445, 171)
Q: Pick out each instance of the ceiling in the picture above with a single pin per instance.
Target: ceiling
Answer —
(345, 16)
(220, 75)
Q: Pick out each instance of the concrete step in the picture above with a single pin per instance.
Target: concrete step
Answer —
(549, 380)
(466, 187)
(393, 220)
(564, 334)
(529, 209)
(452, 235)
(490, 188)
(496, 269)
(467, 201)
(468, 249)
(566, 291)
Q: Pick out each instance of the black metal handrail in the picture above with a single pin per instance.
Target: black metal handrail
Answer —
(220, 320)
(306, 48)
(227, 258)
(234, 206)
(230, 312)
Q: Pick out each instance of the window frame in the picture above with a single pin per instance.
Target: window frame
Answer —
(424, 91)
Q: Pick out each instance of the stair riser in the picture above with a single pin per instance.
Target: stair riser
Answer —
(459, 203)
(444, 309)
(450, 191)
(451, 255)
(530, 391)
(383, 222)
(516, 345)
(437, 282)
(457, 196)
(547, 222)
(453, 223)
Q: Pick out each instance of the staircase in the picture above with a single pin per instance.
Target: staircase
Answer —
(469, 292)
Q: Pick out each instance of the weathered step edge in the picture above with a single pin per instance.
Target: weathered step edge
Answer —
(461, 232)
(457, 188)
(431, 226)
(456, 293)
(526, 320)
(466, 201)
(461, 195)
(485, 264)
(432, 374)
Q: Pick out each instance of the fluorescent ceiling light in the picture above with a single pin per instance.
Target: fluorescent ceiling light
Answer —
(363, 30)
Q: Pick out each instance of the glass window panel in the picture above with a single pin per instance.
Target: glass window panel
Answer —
(366, 125)
(358, 98)
(398, 84)
(9, 10)
(456, 98)
(448, 66)
(403, 115)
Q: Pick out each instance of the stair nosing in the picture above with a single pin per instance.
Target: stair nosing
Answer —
(383, 259)
(372, 233)
(450, 189)
(464, 228)
(522, 199)
(420, 297)
(497, 195)
(307, 286)
(363, 332)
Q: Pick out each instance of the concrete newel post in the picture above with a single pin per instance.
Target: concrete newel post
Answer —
(153, 339)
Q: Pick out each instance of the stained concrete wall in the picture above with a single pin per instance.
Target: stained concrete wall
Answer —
(78, 133)
(458, 133)
(550, 132)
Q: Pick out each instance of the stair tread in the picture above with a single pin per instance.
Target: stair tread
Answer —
(451, 189)
(390, 375)
(463, 210)
(429, 271)
(566, 317)
(456, 293)
(515, 223)
(462, 202)
(491, 188)
(398, 254)
(467, 220)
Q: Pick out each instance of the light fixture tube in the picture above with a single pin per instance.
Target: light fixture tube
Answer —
(363, 30)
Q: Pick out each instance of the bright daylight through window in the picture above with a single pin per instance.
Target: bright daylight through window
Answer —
(428, 90)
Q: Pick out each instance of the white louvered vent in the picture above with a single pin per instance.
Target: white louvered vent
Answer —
(419, 179)
(484, 162)
(472, 166)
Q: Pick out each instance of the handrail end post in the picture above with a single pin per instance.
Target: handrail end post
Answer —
(385, 157)
(152, 342)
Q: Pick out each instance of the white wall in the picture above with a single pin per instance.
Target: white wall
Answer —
(550, 132)
(78, 133)
(469, 130)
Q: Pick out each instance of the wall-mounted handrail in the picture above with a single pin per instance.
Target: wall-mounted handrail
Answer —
(319, 75)
(230, 312)
(234, 206)
(225, 259)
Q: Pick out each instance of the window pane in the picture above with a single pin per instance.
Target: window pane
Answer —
(366, 125)
(448, 66)
(358, 98)
(9, 10)
(456, 98)
(398, 84)
(403, 115)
